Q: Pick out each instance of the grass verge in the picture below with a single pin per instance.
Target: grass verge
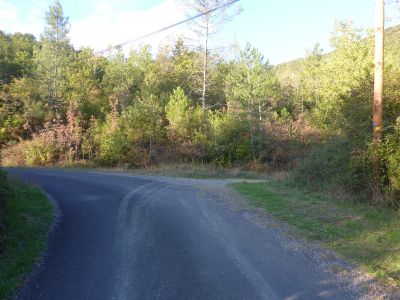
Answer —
(185, 170)
(362, 234)
(27, 215)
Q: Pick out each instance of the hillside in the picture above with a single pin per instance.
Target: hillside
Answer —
(289, 72)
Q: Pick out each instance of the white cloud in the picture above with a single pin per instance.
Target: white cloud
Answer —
(14, 19)
(105, 26)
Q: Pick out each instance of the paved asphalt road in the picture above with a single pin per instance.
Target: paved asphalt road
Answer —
(136, 237)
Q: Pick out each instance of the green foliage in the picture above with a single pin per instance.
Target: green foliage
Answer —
(335, 92)
(132, 138)
(59, 105)
(251, 86)
(345, 82)
(253, 93)
(393, 158)
(179, 112)
(3, 185)
(142, 125)
(392, 50)
(340, 163)
(4, 194)
(110, 141)
(325, 165)
(363, 234)
(16, 51)
(41, 150)
(53, 58)
(188, 125)
(84, 80)
(229, 142)
(57, 25)
(27, 218)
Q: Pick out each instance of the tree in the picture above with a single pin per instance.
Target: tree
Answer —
(53, 57)
(215, 14)
(309, 79)
(16, 51)
(187, 126)
(251, 88)
(143, 125)
(181, 117)
(345, 79)
(84, 85)
(185, 68)
(16, 113)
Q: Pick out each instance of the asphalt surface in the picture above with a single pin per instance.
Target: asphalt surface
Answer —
(135, 237)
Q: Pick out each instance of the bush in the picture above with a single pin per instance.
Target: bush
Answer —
(41, 150)
(392, 151)
(111, 142)
(341, 164)
(13, 156)
(325, 165)
(188, 127)
(230, 143)
(387, 157)
(380, 189)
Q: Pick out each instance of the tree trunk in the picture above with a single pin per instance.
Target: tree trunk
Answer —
(205, 67)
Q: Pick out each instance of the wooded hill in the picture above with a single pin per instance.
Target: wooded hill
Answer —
(59, 105)
(290, 72)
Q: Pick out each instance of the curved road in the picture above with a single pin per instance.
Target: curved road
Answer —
(137, 237)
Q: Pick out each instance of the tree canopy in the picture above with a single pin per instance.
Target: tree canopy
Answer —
(63, 105)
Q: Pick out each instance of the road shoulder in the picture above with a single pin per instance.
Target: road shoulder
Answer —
(28, 219)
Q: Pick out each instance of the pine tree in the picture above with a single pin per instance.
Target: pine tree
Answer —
(54, 57)
(204, 28)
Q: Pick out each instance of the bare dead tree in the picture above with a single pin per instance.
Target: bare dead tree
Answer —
(206, 27)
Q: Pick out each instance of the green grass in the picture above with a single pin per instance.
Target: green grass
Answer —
(362, 234)
(27, 217)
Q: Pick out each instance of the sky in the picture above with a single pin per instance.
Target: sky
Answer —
(281, 29)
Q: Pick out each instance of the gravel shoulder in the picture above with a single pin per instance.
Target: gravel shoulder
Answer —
(220, 191)
(147, 237)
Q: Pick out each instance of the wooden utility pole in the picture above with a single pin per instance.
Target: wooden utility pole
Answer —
(379, 64)
(378, 96)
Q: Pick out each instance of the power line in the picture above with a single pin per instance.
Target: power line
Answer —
(165, 28)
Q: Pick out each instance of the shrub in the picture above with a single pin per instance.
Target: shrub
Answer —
(380, 189)
(392, 151)
(230, 142)
(41, 150)
(13, 156)
(111, 142)
(325, 165)
(341, 164)
(188, 127)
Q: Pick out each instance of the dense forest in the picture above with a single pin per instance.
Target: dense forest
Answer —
(62, 106)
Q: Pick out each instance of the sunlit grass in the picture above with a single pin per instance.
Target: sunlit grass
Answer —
(365, 235)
